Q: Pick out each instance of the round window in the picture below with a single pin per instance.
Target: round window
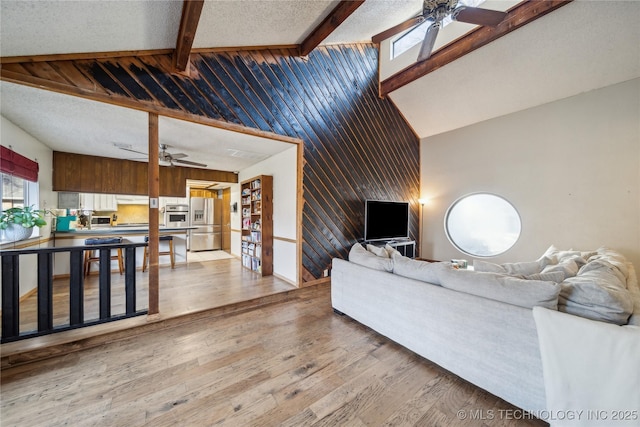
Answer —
(482, 224)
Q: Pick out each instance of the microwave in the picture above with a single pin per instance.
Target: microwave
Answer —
(100, 221)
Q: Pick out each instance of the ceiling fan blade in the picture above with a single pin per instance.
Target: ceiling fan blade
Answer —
(429, 41)
(478, 16)
(133, 151)
(178, 155)
(187, 162)
(412, 22)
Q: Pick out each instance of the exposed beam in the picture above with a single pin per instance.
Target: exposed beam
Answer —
(336, 17)
(191, 10)
(520, 15)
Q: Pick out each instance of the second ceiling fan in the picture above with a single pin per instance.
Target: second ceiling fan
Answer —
(434, 12)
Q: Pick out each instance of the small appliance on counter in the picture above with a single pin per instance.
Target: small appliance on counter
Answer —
(66, 223)
(100, 221)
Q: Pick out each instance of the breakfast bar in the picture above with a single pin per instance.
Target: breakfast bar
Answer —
(134, 233)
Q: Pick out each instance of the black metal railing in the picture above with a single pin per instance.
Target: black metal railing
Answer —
(45, 276)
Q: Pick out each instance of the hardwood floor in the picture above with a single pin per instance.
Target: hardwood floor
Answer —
(187, 291)
(292, 363)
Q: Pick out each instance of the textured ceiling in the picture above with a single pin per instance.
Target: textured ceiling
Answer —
(76, 125)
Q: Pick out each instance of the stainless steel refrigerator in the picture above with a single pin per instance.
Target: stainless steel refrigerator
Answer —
(206, 214)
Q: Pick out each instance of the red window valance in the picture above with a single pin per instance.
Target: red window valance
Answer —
(18, 165)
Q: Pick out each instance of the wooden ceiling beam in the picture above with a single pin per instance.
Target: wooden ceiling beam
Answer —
(336, 17)
(520, 15)
(191, 10)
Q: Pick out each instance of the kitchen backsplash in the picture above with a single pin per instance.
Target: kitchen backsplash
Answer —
(132, 214)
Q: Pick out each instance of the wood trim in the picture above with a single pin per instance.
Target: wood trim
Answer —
(44, 84)
(285, 239)
(32, 241)
(336, 17)
(134, 53)
(191, 10)
(154, 232)
(520, 15)
(82, 56)
(299, 213)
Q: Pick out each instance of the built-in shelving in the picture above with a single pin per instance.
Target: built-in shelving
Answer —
(257, 224)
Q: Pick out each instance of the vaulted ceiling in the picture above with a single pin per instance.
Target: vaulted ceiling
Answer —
(581, 46)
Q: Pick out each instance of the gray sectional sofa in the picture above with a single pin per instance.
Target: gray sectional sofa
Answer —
(480, 324)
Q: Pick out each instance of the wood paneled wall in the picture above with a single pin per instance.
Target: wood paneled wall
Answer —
(91, 174)
(356, 145)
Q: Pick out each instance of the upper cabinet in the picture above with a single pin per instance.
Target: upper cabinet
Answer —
(91, 174)
(98, 202)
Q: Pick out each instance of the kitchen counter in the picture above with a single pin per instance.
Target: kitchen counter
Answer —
(134, 233)
(123, 229)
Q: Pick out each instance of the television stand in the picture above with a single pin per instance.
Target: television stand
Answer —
(405, 247)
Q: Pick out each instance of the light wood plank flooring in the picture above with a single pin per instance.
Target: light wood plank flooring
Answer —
(293, 363)
(197, 287)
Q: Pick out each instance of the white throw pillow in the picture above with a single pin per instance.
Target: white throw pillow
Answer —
(359, 255)
(378, 250)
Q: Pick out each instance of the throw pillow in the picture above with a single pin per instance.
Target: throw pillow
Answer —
(378, 250)
(418, 270)
(598, 292)
(568, 267)
(499, 287)
(391, 250)
(359, 255)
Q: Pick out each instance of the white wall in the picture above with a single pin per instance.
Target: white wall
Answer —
(26, 145)
(570, 167)
(283, 167)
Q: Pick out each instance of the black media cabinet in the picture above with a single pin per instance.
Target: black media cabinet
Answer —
(405, 247)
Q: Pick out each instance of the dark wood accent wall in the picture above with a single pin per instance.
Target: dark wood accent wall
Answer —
(356, 145)
(91, 174)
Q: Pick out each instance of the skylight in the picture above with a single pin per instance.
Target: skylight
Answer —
(415, 35)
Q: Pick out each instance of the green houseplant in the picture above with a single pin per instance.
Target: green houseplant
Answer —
(17, 223)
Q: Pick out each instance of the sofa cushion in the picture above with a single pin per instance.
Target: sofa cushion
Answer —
(359, 255)
(418, 270)
(378, 250)
(514, 268)
(555, 276)
(504, 288)
(598, 292)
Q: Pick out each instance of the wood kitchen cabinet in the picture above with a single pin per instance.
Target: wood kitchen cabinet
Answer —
(92, 174)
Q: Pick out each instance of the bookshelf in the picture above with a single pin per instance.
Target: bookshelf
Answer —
(256, 195)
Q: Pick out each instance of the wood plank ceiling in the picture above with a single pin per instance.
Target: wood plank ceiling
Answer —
(356, 145)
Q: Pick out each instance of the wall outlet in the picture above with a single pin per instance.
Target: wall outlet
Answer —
(325, 273)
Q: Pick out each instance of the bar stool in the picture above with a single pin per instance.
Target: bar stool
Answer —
(89, 256)
(169, 252)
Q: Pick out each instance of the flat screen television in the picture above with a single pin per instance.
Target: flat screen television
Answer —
(385, 220)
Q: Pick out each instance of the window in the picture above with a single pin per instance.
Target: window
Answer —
(17, 192)
(415, 35)
(482, 224)
(13, 192)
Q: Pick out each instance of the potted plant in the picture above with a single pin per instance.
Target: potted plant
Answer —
(17, 223)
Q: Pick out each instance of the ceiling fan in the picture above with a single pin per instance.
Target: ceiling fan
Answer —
(167, 157)
(434, 12)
